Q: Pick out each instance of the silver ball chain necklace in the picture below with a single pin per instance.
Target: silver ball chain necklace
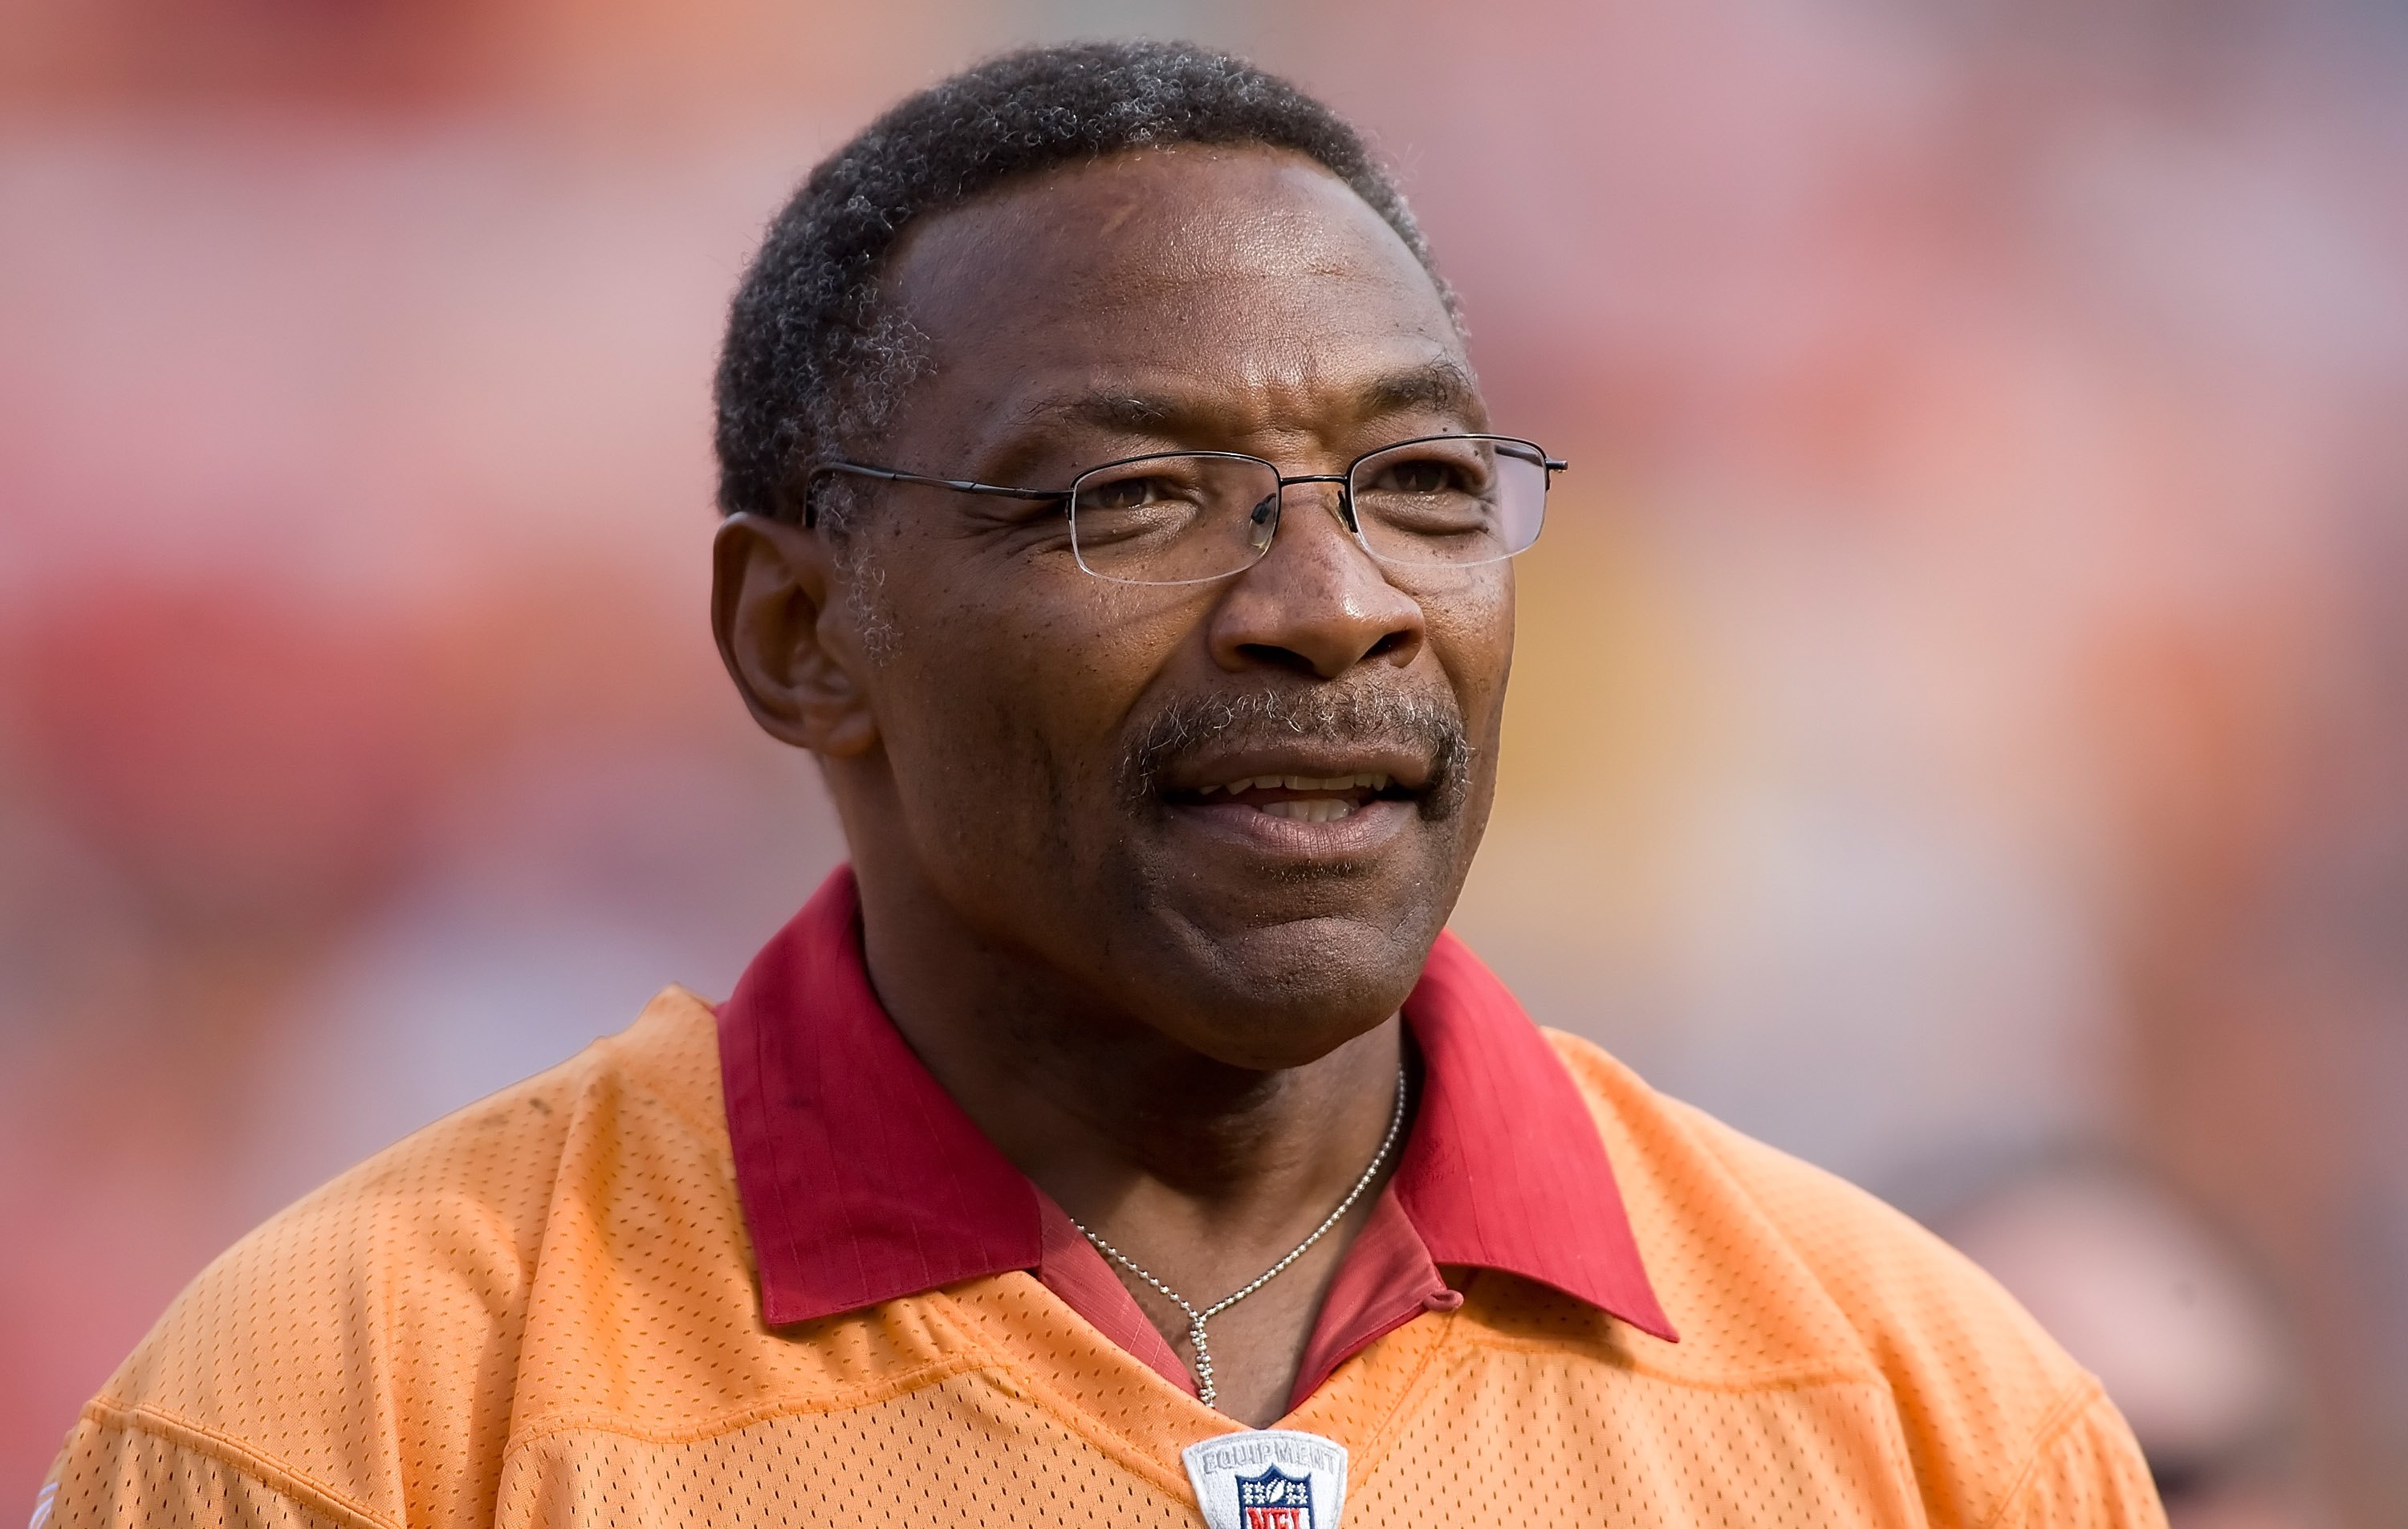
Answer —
(1205, 1389)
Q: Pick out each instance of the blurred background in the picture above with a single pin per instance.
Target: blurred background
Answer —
(1961, 731)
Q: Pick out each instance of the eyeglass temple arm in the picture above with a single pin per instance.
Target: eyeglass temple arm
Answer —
(889, 475)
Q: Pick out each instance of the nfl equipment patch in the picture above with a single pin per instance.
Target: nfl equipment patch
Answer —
(1269, 1478)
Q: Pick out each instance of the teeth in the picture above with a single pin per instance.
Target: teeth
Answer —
(1327, 809)
(1303, 782)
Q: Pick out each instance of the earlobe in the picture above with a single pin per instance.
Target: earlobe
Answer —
(769, 612)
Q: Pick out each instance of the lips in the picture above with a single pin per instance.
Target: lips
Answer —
(1304, 797)
(1315, 798)
(1317, 775)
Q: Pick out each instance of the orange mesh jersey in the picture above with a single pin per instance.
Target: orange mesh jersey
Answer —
(544, 1310)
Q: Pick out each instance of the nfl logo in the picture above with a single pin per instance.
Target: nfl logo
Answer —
(1273, 1499)
(1268, 1479)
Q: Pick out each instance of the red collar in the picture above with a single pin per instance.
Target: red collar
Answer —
(863, 1180)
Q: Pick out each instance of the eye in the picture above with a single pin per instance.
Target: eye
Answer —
(1143, 503)
(1423, 475)
(1134, 493)
(1424, 491)
(1426, 472)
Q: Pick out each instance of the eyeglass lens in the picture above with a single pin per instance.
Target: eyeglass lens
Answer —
(1455, 501)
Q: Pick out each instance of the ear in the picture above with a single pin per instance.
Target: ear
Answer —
(782, 645)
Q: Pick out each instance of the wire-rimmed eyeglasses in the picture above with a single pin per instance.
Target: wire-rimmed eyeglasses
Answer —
(1187, 516)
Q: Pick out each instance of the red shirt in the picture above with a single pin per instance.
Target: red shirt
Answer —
(862, 1180)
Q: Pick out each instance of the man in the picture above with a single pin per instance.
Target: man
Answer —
(1112, 512)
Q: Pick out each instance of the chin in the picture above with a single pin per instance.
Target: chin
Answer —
(1285, 995)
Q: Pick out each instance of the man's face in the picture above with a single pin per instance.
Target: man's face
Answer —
(1056, 751)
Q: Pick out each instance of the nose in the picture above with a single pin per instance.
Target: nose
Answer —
(1315, 604)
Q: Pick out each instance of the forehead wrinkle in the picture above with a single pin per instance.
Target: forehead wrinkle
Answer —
(1104, 242)
(1276, 283)
(1186, 279)
(1439, 384)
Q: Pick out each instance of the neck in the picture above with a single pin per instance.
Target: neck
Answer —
(1131, 1131)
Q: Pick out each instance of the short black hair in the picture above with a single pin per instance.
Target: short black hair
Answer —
(813, 361)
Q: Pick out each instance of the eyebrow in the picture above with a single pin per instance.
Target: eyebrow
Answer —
(1439, 385)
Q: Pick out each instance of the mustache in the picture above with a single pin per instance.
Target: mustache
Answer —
(1186, 727)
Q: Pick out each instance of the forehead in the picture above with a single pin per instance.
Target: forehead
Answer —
(1248, 278)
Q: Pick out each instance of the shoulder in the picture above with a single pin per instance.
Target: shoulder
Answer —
(1778, 1272)
(1738, 1235)
(373, 1329)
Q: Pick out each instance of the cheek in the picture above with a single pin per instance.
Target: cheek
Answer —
(1470, 627)
(1007, 697)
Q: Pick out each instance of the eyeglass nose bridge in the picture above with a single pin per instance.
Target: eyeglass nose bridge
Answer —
(1263, 522)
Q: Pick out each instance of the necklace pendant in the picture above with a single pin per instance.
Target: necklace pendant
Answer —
(1268, 1479)
(1206, 1392)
